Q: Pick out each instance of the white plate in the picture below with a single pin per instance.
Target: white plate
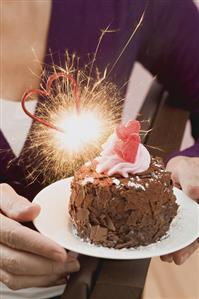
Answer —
(54, 222)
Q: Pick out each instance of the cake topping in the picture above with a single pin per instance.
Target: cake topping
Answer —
(128, 140)
(123, 153)
(116, 182)
(136, 185)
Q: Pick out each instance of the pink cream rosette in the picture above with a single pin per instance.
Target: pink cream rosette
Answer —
(123, 153)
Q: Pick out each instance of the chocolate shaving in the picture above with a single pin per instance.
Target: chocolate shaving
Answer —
(110, 224)
(82, 216)
(98, 233)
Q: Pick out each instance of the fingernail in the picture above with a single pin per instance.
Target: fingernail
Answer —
(77, 266)
(167, 259)
(71, 258)
(67, 267)
(61, 255)
(73, 254)
(170, 259)
(22, 208)
(73, 266)
(179, 261)
(183, 258)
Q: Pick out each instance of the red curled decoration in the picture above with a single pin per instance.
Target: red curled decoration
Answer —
(46, 93)
(74, 86)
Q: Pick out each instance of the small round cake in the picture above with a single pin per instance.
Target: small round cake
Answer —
(121, 206)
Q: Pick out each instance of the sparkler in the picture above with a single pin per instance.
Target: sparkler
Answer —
(70, 131)
(71, 124)
(78, 128)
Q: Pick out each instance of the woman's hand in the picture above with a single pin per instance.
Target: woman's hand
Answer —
(28, 259)
(185, 174)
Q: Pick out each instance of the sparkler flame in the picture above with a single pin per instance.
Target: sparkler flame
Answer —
(80, 130)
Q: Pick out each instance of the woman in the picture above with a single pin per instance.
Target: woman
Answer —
(166, 43)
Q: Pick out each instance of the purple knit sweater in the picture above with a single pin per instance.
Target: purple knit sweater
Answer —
(166, 43)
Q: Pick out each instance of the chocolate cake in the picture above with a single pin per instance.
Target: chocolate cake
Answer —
(120, 212)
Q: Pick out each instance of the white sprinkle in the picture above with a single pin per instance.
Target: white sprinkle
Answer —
(158, 165)
(147, 185)
(136, 185)
(154, 175)
(87, 180)
(116, 182)
(137, 178)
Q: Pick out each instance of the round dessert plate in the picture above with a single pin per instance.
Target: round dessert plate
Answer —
(54, 222)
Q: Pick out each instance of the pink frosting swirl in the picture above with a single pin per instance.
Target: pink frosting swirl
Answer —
(123, 153)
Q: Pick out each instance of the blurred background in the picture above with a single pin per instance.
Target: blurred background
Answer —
(164, 280)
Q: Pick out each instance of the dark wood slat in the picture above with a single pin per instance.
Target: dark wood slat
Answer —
(167, 129)
(82, 282)
(116, 291)
(149, 108)
(121, 279)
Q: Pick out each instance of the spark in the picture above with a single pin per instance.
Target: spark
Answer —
(96, 51)
(129, 40)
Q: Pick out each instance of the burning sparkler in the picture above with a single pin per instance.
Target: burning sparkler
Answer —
(74, 130)
(72, 122)
(75, 119)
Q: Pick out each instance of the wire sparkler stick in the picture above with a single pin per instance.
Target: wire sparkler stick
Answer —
(47, 93)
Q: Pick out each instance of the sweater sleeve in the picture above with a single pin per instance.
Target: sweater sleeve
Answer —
(171, 54)
(192, 151)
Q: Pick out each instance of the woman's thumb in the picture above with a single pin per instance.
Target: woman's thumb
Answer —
(15, 206)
